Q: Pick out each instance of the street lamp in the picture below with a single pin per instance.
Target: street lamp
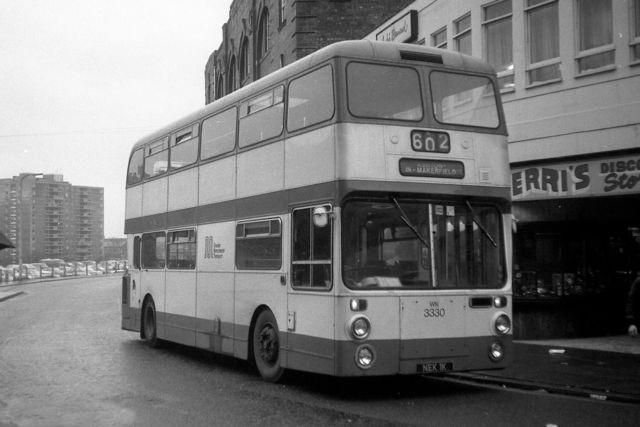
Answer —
(20, 181)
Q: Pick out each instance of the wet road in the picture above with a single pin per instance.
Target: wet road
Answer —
(65, 361)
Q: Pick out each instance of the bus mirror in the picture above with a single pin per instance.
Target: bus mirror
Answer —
(321, 216)
(514, 224)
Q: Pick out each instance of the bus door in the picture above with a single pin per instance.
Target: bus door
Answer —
(311, 302)
(131, 295)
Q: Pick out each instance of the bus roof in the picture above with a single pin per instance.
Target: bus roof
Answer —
(355, 49)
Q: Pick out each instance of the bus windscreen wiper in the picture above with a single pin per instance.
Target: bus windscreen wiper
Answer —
(404, 219)
(479, 224)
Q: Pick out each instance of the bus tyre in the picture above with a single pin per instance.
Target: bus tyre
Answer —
(266, 347)
(149, 330)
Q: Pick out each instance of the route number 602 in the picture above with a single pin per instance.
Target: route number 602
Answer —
(430, 142)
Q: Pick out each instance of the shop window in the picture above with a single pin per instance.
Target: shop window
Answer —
(595, 35)
(153, 250)
(499, 41)
(310, 99)
(439, 38)
(311, 251)
(259, 245)
(462, 36)
(543, 43)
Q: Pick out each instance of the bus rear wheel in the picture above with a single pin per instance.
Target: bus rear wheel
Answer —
(149, 330)
(266, 347)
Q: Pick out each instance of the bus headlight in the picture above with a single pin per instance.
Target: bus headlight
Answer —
(496, 351)
(365, 356)
(502, 324)
(359, 327)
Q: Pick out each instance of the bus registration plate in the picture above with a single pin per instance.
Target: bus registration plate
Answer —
(435, 367)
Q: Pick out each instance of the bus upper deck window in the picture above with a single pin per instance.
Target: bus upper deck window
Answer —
(464, 99)
(384, 92)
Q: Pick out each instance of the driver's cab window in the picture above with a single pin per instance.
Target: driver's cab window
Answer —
(311, 248)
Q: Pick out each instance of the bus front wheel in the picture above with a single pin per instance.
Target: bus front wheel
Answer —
(149, 330)
(266, 347)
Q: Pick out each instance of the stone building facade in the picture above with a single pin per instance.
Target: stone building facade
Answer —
(262, 36)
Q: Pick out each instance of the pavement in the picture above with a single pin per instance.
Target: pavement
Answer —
(601, 368)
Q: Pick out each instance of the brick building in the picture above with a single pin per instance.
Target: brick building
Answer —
(262, 36)
(47, 217)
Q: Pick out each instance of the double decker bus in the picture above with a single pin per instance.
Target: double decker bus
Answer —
(348, 214)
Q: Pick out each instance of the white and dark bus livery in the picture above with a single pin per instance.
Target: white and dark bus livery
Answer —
(348, 214)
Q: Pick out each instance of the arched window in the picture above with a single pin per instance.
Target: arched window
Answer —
(263, 34)
(219, 88)
(231, 78)
(244, 60)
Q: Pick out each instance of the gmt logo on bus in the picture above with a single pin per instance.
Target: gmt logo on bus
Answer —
(430, 168)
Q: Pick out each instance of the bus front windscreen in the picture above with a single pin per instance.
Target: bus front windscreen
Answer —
(398, 244)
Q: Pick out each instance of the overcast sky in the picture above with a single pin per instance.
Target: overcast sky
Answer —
(82, 80)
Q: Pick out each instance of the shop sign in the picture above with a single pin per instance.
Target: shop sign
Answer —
(402, 30)
(600, 177)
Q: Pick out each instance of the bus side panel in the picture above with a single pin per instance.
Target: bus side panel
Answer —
(311, 332)
(154, 197)
(153, 284)
(299, 150)
(180, 313)
(133, 206)
(217, 181)
(214, 311)
(215, 287)
(252, 289)
(182, 189)
(261, 170)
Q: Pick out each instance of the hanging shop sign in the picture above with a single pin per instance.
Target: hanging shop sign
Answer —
(600, 177)
(402, 30)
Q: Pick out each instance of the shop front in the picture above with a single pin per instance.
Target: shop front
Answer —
(576, 246)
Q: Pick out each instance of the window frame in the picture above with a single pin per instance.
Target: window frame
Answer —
(549, 62)
(311, 261)
(194, 137)
(423, 110)
(595, 51)
(499, 116)
(245, 112)
(143, 259)
(149, 151)
(434, 38)
(460, 34)
(486, 23)
(269, 235)
(193, 248)
(634, 34)
(140, 178)
(235, 134)
(288, 98)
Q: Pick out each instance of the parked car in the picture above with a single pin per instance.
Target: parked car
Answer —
(14, 272)
(44, 270)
